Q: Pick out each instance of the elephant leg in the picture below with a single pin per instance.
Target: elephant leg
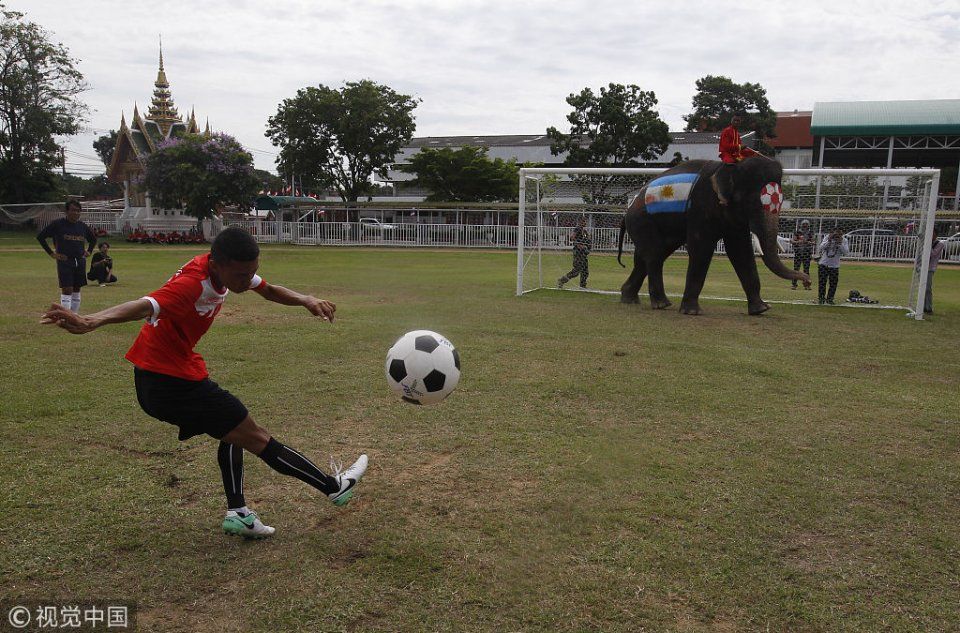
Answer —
(630, 290)
(658, 296)
(740, 252)
(700, 255)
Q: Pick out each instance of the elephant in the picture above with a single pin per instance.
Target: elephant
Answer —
(662, 218)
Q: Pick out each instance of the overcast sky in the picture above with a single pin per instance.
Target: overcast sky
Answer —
(484, 67)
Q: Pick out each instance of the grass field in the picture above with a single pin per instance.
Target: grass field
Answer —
(600, 468)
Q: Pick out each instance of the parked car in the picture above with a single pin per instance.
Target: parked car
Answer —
(883, 242)
(866, 233)
(951, 246)
(373, 224)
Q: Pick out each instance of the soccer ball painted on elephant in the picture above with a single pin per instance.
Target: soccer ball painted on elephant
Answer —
(684, 206)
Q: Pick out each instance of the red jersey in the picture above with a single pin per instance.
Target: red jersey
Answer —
(183, 311)
(731, 148)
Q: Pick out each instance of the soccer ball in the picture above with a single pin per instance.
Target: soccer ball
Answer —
(423, 367)
(771, 197)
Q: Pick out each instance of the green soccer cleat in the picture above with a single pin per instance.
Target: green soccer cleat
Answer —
(249, 526)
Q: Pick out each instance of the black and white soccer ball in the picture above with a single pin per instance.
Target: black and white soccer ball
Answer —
(423, 367)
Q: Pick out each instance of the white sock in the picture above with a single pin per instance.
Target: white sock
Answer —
(244, 511)
(65, 301)
(75, 302)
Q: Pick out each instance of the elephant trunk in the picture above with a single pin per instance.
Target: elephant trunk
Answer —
(767, 235)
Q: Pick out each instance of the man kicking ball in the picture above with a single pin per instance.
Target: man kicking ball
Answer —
(172, 381)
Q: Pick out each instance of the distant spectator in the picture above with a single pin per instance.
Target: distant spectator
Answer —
(832, 248)
(802, 243)
(936, 250)
(68, 234)
(101, 266)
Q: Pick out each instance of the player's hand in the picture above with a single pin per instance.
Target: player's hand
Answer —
(321, 308)
(70, 321)
(58, 256)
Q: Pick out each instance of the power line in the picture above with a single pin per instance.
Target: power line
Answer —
(90, 163)
(262, 151)
(70, 151)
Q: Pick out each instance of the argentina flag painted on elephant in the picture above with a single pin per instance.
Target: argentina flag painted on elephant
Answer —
(670, 194)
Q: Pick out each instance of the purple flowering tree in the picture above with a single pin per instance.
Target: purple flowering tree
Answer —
(201, 173)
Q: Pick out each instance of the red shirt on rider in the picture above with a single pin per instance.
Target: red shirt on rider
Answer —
(731, 149)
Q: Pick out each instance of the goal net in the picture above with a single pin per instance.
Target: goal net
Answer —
(886, 219)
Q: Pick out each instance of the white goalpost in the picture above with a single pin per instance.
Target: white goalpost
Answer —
(887, 218)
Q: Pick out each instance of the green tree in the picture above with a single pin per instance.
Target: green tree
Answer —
(718, 98)
(268, 181)
(617, 128)
(201, 173)
(105, 145)
(464, 175)
(39, 84)
(90, 188)
(340, 138)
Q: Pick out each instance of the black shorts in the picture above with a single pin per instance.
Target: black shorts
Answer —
(71, 272)
(195, 406)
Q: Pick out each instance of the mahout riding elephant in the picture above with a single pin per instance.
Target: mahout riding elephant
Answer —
(681, 206)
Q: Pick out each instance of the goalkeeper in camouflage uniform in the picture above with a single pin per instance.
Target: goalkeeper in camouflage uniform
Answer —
(582, 245)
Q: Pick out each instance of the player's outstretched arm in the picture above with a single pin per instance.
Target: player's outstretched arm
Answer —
(81, 324)
(317, 307)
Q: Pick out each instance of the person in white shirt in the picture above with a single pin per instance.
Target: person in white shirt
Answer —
(832, 248)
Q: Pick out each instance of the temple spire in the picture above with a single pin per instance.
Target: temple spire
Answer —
(162, 110)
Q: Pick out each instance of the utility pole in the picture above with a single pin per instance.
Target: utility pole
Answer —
(63, 162)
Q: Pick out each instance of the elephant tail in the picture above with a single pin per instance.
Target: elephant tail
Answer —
(623, 229)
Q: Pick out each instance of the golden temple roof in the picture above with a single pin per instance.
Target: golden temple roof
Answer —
(162, 109)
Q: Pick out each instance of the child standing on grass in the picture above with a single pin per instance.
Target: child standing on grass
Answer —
(172, 382)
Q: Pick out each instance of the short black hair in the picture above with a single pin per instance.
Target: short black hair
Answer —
(70, 203)
(234, 245)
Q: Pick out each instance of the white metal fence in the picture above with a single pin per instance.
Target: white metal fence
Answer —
(873, 247)
(105, 220)
(357, 234)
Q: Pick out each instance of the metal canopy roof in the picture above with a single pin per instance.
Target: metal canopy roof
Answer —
(273, 203)
(886, 118)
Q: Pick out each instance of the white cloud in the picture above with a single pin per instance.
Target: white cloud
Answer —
(497, 67)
